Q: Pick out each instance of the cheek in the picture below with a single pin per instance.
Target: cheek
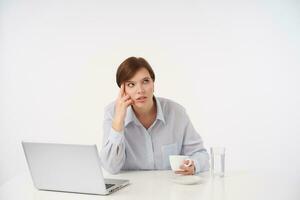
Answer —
(150, 88)
(129, 92)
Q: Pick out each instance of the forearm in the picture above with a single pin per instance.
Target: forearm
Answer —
(118, 124)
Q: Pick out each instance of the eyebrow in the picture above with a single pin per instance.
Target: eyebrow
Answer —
(129, 81)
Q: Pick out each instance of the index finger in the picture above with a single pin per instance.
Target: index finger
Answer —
(122, 90)
(183, 167)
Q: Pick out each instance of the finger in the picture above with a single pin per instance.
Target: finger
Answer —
(184, 167)
(128, 102)
(125, 98)
(188, 168)
(188, 162)
(187, 173)
(122, 90)
(179, 171)
(184, 172)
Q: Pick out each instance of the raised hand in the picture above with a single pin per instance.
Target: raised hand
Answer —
(122, 102)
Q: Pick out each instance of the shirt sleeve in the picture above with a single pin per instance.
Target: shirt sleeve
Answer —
(193, 147)
(113, 148)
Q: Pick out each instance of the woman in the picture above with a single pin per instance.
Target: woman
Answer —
(141, 130)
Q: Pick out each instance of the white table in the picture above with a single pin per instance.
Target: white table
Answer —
(158, 185)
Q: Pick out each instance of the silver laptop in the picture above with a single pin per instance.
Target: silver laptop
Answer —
(68, 168)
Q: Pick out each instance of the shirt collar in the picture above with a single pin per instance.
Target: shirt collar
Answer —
(160, 114)
(130, 117)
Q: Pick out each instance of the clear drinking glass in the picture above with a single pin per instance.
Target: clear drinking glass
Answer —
(217, 161)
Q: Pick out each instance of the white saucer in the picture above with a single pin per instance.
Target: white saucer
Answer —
(186, 180)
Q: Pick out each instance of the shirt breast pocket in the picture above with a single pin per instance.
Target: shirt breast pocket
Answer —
(167, 150)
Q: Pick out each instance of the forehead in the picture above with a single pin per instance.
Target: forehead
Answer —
(140, 74)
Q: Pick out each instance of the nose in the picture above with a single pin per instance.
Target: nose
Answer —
(140, 89)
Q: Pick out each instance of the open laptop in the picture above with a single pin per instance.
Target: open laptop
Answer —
(68, 168)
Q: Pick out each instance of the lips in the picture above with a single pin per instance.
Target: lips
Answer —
(141, 99)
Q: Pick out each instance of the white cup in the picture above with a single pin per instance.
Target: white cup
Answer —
(177, 160)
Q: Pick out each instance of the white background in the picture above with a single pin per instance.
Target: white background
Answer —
(234, 65)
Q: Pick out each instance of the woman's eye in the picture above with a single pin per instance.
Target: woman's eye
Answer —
(130, 85)
(146, 81)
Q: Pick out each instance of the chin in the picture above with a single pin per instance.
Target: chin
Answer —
(141, 105)
(138, 105)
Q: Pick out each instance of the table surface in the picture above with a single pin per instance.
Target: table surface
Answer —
(159, 185)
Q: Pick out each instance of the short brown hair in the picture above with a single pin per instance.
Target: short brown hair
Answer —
(130, 66)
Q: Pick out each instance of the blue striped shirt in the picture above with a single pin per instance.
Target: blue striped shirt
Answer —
(138, 148)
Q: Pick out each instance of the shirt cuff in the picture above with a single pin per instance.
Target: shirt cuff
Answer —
(197, 166)
(116, 137)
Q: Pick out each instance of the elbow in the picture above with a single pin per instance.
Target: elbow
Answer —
(112, 160)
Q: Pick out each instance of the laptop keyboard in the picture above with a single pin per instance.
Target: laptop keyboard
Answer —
(109, 185)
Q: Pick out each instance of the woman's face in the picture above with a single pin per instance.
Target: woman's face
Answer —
(140, 89)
